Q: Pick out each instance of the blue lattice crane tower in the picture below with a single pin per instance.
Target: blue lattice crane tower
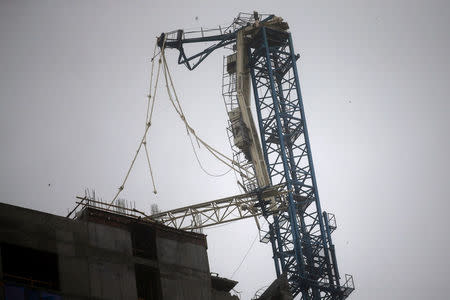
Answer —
(278, 149)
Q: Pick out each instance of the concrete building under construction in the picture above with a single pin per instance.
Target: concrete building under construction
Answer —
(102, 254)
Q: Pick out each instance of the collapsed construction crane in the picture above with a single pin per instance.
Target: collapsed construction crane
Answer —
(280, 184)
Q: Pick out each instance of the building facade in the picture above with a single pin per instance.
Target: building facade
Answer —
(102, 255)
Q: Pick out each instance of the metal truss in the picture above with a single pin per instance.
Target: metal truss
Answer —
(223, 210)
(301, 234)
(218, 37)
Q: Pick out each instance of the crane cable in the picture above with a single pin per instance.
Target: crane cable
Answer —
(245, 256)
(148, 123)
(148, 118)
(200, 163)
(177, 106)
(190, 131)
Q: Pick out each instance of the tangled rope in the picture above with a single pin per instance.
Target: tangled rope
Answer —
(148, 123)
(190, 131)
(231, 163)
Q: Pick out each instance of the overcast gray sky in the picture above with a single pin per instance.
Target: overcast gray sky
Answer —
(375, 82)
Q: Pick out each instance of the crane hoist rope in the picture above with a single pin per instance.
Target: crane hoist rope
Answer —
(148, 122)
(177, 106)
(179, 110)
(149, 115)
(200, 163)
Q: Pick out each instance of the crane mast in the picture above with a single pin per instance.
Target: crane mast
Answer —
(278, 149)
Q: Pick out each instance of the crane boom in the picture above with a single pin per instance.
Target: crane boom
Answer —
(221, 211)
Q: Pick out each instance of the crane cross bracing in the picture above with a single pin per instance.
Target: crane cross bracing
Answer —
(221, 211)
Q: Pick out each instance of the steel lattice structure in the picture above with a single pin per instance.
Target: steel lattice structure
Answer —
(299, 231)
(219, 211)
(299, 238)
